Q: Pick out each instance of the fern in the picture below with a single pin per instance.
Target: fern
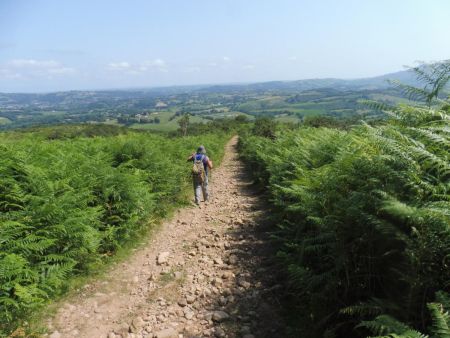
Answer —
(64, 204)
(386, 326)
(364, 213)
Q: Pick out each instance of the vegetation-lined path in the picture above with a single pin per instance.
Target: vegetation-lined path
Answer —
(206, 273)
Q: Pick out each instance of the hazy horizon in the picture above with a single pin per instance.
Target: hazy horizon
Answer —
(193, 85)
(49, 46)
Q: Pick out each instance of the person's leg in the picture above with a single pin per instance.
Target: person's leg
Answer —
(205, 189)
(197, 190)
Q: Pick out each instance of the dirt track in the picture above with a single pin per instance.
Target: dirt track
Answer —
(206, 273)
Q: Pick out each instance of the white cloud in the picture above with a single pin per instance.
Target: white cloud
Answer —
(31, 68)
(159, 63)
(212, 64)
(135, 69)
(292, 58)
(21, 63)
(248, 67)
(226, 59)
(119, 65)
(61, 70)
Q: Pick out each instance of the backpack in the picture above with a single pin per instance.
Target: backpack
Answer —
(198, 169)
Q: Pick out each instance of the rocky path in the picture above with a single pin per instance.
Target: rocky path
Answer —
(206, 273)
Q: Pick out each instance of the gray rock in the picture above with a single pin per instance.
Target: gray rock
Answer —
(227, 275)
(55, 334)
(189, 315)
(190, 299)
(219, 332)
(163, 257)
(138, 322)
(233, 259)
(217, 282)
(239, 221)
(223, 301)
(226, 292)
(242, 282)
(166, 333)
(220, 316)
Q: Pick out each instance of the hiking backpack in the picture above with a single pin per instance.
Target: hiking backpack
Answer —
(198, 169)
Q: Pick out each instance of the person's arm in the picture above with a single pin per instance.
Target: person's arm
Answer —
(209, 164)
(190, 157)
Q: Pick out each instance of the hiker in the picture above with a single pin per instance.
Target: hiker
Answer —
(200, 169)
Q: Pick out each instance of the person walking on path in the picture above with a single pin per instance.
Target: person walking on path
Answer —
(200, 171)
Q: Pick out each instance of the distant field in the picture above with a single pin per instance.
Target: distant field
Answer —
(112, 122)
(203, 106)
(52, 113)
(288, 118)
(229, 114)
(4, 120)
(156, 127)
(165, 125)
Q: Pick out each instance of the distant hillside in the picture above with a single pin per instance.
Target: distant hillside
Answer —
(96, 97)
(159, 108)
(378, 82)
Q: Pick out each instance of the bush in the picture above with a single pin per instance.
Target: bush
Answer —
(265, 127)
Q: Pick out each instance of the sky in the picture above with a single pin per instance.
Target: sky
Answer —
(55, 45)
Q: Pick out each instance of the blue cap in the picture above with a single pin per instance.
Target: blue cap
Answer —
(201, 150)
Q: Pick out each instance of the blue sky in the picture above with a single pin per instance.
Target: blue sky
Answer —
(50, 45)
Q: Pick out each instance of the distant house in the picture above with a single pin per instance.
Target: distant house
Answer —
(160, 105)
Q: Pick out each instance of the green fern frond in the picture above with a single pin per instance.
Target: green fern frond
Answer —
(441, 320)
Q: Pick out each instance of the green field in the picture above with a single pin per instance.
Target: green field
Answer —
(52, 113)
(165, 125)
(4, 120)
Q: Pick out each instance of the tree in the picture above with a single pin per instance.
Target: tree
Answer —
(265, 127)
(183, 122)
(241, 118)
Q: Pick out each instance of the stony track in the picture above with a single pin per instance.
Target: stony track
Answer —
(206, 273)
